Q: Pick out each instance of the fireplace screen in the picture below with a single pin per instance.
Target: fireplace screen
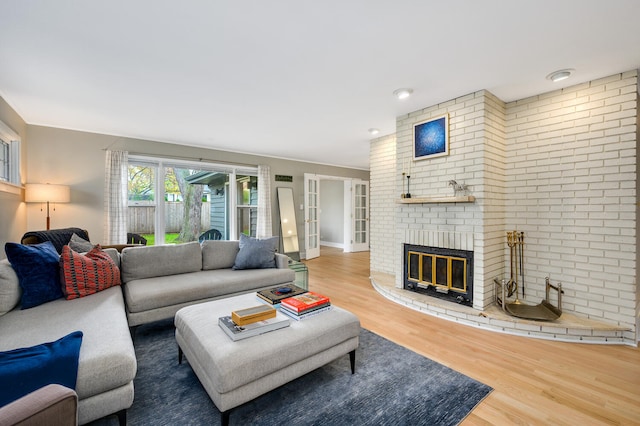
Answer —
(442, 271)
(445, 273)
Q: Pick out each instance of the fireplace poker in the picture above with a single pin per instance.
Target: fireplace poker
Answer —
(512, 285)
(516, 249)
(521, 244)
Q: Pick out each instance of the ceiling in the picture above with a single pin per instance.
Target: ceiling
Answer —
(295, 79)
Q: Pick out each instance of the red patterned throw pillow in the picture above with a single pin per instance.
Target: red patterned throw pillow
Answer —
(85, 274)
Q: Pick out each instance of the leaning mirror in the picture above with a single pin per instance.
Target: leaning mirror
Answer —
(288, 227)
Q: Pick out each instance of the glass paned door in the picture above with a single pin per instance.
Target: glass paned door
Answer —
(142, 201)
(311, 218)
(360, 214)
(247, 201)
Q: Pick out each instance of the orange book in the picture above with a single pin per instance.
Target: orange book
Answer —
(305, 301)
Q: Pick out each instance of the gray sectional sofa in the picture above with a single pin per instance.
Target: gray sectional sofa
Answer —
(157, 282)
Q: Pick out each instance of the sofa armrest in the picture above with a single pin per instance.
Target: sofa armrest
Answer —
(50, 405)
(282, 260)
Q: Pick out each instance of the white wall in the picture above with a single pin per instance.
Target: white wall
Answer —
(571, 179)
(77, 158)
(71, 158)
(13, 211)
(383, 195)
(332, 213)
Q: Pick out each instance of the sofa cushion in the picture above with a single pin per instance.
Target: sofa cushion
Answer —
(114, 254)
(79, 244)
(219, 254)
(10, 291)
(83, 275)
(255, 253)
(153, 293)
(38, 272)
(157, 261)
(24, 370)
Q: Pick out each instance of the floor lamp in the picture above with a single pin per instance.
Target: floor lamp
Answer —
(47, 193)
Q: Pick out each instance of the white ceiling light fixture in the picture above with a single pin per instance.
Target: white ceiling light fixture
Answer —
(373, 131)
(560, 75)
(402, 93)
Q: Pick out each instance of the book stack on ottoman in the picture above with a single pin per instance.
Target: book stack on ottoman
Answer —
(235, 372)
(305, 305)
(249, 322)
(275, 295)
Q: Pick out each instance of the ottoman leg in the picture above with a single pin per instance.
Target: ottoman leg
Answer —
(352, 359)
(224, 418)
(180, 353)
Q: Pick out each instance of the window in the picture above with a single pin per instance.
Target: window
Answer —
(9, 155)
(174, 201)
(4, 161)
(247, 204)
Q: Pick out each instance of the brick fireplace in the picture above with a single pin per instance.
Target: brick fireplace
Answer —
(560, 166)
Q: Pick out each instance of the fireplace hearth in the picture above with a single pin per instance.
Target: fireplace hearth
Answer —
(439, 272)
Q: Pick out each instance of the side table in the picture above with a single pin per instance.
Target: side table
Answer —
(302, 273)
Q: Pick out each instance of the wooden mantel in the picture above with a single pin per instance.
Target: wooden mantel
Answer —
(435, 200)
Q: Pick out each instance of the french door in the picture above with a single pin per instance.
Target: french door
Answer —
(360, 216)
(311, 216)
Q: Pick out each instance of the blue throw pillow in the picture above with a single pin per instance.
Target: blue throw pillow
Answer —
(255, 253)
(25, 370)
(38, 269)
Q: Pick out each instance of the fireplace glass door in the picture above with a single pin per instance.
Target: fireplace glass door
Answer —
(445, 272)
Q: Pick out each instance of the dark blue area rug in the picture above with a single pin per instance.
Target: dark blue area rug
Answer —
(391, 386)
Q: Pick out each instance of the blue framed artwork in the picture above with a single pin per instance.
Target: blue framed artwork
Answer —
(431, 138)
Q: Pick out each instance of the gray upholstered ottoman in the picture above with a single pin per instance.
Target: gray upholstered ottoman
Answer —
(233, 373)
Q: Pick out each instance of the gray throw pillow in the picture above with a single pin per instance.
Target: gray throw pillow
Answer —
(10, 291)
(79, 244)
(255, 253)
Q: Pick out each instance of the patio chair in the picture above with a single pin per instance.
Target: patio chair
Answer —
(136, 239)
(211, 234)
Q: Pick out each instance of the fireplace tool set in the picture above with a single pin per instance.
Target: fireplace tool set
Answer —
(544, 311)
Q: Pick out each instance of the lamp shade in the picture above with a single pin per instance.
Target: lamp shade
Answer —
(45, 192)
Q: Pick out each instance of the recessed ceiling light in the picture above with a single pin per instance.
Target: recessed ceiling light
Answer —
(402, 93)
(373, 131)
(560, 75)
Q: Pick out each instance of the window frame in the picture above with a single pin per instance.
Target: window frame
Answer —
(12, 139)
(161, 163)
(5, 160)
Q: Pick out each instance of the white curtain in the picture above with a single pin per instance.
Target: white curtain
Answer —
(115, 197)
(264, 229)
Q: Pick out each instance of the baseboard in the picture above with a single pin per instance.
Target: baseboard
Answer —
(330, 244)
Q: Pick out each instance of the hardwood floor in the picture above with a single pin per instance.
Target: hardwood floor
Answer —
(536, 382)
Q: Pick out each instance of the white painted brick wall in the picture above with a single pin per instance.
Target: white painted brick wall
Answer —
(571, 185)
(476, 158)
(382, 160)
(560, 166)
